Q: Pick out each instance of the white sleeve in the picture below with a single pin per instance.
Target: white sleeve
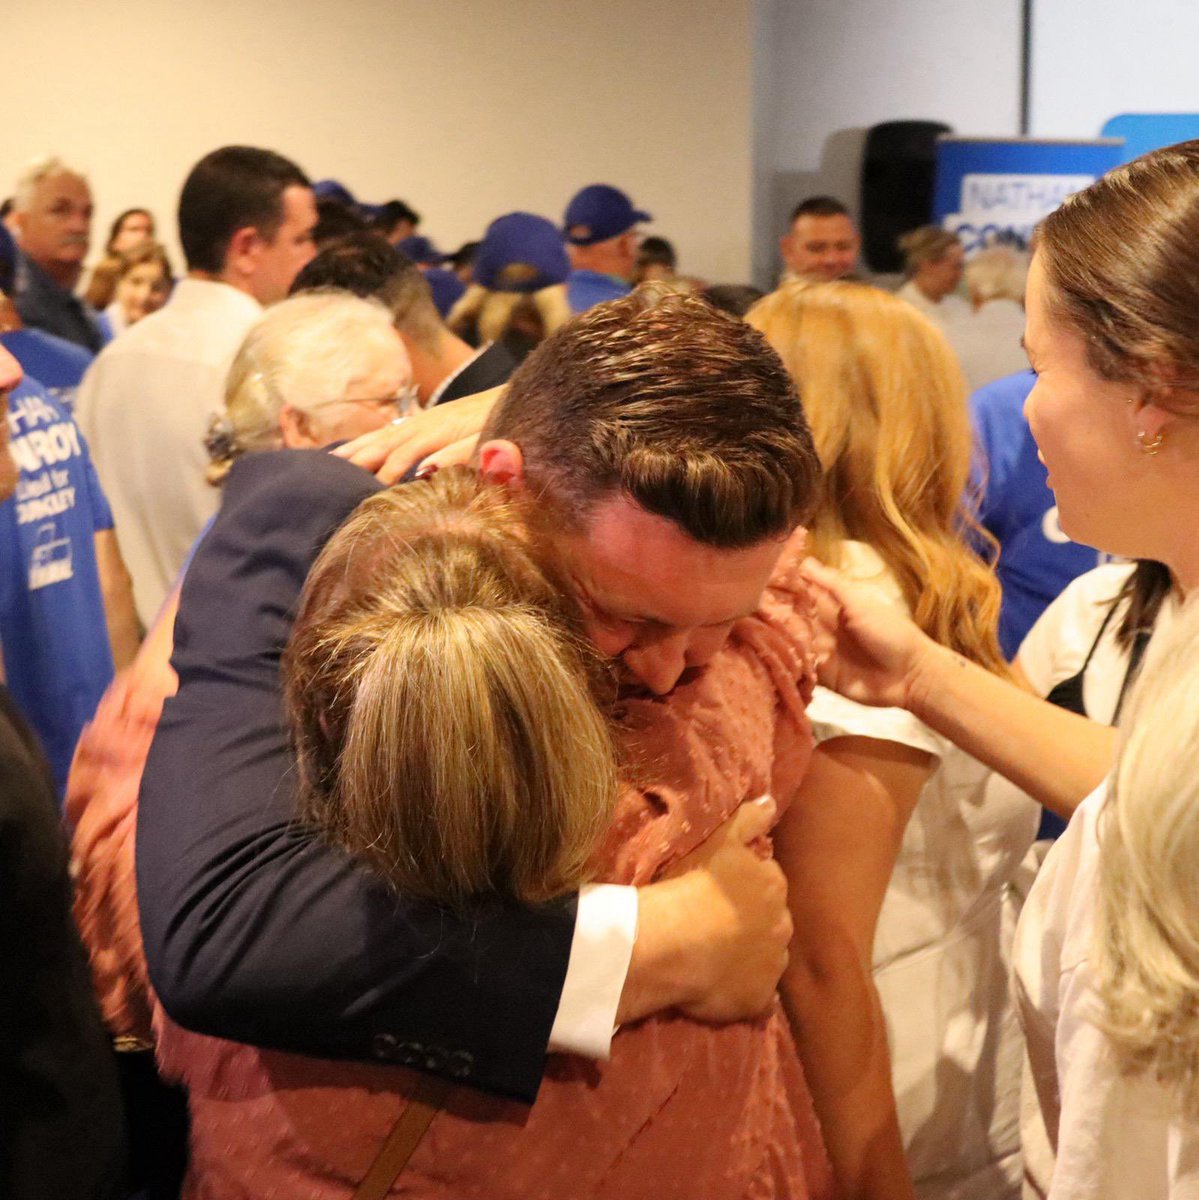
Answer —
(1056, 646)
(834, 716)
(605, 930)
(1050, 651)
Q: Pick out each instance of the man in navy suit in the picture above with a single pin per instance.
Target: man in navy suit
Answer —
(668, 445)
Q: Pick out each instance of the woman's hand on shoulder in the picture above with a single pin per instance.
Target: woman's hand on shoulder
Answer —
(438, 437)
(867, 649)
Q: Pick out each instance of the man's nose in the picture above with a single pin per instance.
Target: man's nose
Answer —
(658, 666)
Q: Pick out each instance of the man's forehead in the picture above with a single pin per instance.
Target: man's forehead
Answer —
(63, 183)
(835, 225)
(644, 567)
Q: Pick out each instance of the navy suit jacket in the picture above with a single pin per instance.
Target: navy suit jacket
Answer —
(493, 367)
(254, 929)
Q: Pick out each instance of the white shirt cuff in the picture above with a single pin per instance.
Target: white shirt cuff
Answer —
(605, 930)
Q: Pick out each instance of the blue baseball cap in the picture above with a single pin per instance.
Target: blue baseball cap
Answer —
(526, 240)
(421, 250)
(600, 212)
(334, 189)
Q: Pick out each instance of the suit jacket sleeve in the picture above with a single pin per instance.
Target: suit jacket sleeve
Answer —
(255, 930)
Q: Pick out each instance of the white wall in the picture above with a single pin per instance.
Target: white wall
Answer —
(829, 69)
(1094, 59)
(464, 108)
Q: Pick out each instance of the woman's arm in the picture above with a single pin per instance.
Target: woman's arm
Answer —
(1056, 756)
(877, 656)
(837, 845)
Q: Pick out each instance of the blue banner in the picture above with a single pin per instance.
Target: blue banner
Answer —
(1143, 132)
(1002, 187)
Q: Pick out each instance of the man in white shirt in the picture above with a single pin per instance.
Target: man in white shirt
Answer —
(245, 220)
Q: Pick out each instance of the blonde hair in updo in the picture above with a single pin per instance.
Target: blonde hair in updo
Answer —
(886, 402)
(929, 243)
(302, 353)
(1147, 935)
(442, 703)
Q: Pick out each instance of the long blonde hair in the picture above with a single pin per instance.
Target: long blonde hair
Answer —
(441, 703)
(1147, 934)
(489, 315)
(886, 401)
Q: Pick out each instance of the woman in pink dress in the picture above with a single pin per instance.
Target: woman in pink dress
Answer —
(681, 1109)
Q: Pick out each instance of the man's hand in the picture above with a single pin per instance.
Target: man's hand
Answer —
(871, 652)
(712, 939)
(440, 437)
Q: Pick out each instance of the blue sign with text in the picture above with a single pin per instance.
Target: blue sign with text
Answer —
(987, 188)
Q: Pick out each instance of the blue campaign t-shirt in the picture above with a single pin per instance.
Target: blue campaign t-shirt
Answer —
(1036, 559)
(586, 289)
(58, 365)
(57, 658)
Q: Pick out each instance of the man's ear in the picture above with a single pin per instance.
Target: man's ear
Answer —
(241, 257)
(296, 430)
(785, 249)
(501, 461)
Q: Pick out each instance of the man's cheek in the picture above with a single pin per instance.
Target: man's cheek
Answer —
(705, 646)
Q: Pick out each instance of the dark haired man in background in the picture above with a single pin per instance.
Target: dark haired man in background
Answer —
(246, 218)
(821, 243)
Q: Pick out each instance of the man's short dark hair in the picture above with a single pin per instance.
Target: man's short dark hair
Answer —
(734, 298)
(335, 220)
(819, 206)
(683, 408)
(389, 215)
(368, 265)
(657, 251)
(230, 189)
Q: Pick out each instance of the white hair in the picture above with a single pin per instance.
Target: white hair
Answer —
(302, 353)
(997, 273)
(39, 169)
(1147, 937)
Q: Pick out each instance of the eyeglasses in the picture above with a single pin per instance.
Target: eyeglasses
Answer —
(405, 401)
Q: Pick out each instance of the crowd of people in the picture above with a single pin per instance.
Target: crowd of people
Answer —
(533, 722)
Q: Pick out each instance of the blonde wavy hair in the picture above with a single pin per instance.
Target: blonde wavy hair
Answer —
(886, 402)
(489, 315)
(442, 703)
(1147, 933)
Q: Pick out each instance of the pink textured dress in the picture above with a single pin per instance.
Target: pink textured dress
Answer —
(681, 1110)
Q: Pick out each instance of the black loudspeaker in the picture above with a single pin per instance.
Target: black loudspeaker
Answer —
(897, 187)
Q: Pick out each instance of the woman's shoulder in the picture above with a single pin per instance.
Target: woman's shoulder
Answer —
(862, 564)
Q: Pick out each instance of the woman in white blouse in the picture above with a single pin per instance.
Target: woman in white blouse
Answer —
(1105, 957)
(898, 863)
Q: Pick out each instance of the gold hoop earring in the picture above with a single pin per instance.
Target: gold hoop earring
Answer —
(1149, 445)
